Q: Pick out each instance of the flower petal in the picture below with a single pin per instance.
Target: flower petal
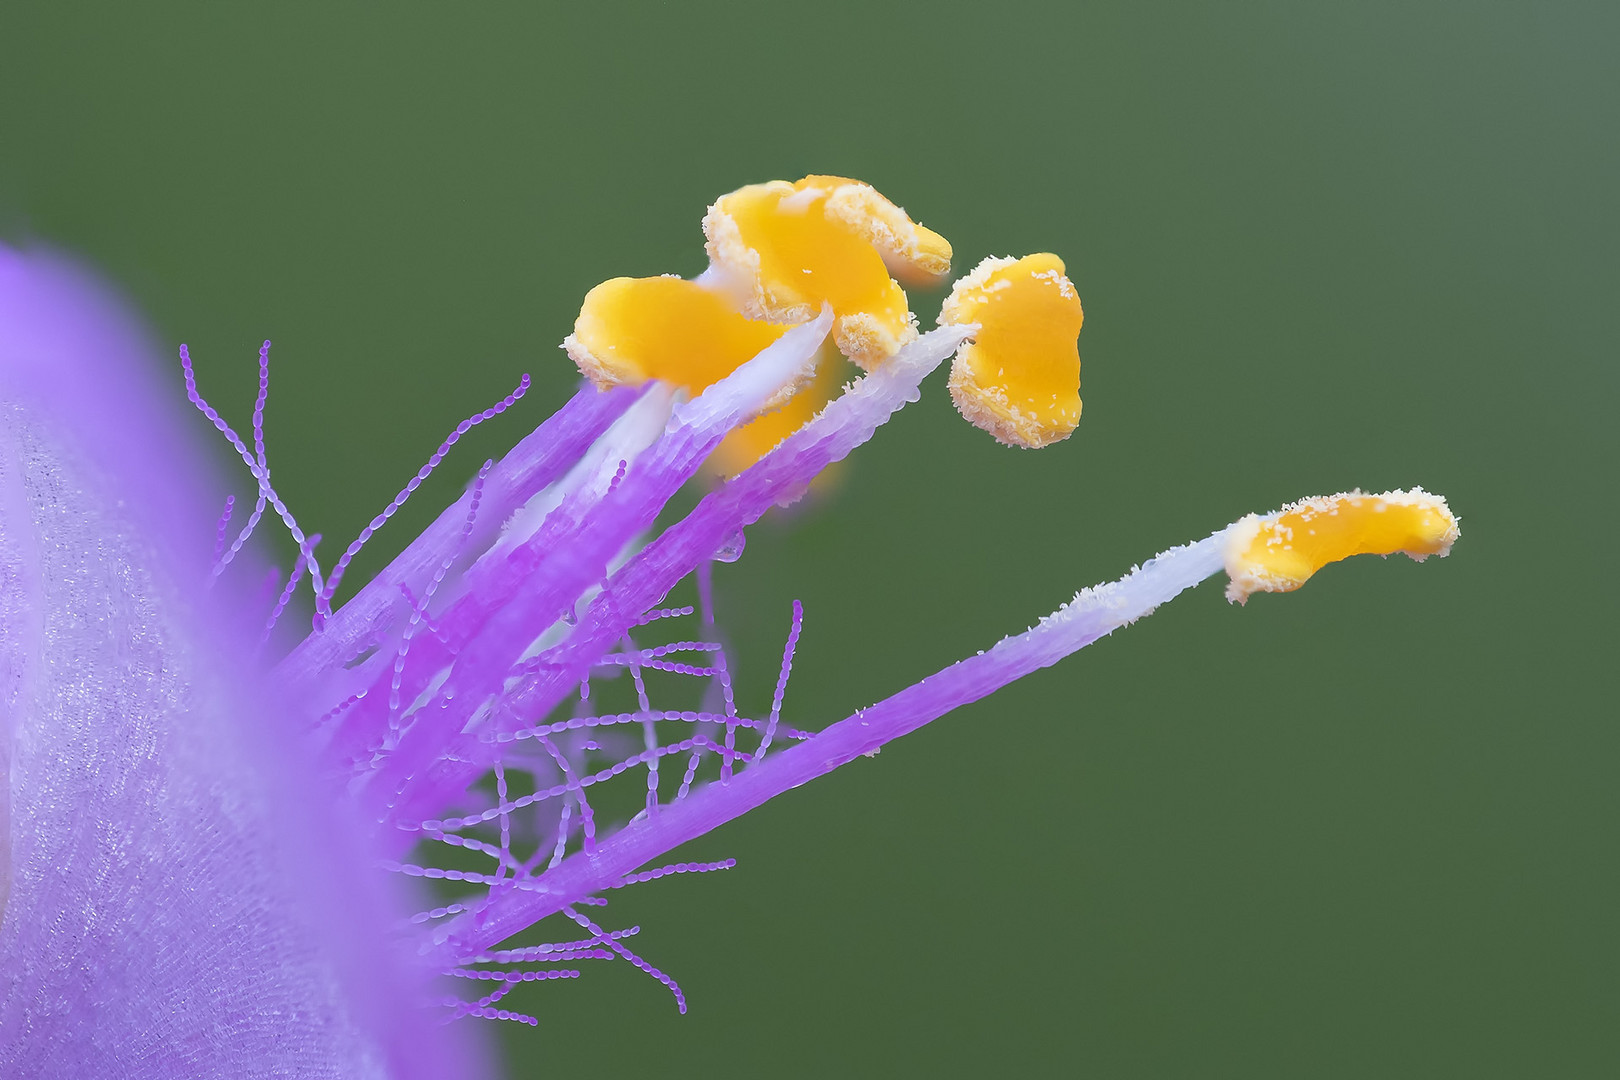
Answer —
(182, 899)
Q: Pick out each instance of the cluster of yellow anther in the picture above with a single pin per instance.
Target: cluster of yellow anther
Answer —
(779, 253)
(1279, 552)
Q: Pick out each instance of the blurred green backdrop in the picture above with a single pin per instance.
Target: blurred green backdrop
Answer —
(1365, 830)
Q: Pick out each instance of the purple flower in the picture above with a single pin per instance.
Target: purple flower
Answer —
(312, 865)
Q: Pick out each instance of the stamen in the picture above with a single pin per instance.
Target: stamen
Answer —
(1092, 614)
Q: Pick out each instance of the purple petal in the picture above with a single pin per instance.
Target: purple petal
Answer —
(179, 898)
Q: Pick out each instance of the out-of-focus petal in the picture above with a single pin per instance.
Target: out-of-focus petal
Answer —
(182, 901)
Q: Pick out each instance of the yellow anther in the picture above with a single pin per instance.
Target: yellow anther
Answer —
(753, 440)
(1018, 377)
(1279, 552)
(786, 249)
(630, 330)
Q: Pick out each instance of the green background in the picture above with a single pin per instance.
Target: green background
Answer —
(1364, 830)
